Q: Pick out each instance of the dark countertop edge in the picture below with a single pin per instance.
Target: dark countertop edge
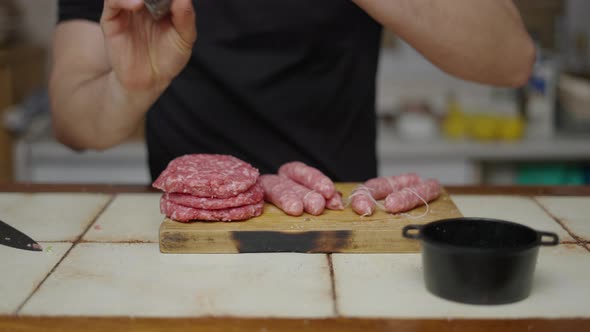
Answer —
(89, 324)
(456, 190)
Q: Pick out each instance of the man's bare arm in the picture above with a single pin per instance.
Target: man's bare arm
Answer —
(90, 109)
(105, 77)
(478, 40)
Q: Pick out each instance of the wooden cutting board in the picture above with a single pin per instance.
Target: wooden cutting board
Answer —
(333, 231)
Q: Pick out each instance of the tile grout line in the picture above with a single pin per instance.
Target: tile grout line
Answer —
(118, 241)
(333, 282)
(579, 240)
(20, 307)
(74, 243)
(56, 241)
(106, 206)
(81, 238)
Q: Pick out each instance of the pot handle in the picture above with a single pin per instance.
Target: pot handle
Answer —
(406, 232)
(554, 238)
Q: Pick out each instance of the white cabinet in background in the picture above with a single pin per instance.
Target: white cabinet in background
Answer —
(450, 162)
(48, 161)
(447, 171)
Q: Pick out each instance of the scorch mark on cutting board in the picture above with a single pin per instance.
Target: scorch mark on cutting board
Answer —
(274, 241)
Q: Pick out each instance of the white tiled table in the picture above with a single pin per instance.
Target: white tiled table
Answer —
(101, 259)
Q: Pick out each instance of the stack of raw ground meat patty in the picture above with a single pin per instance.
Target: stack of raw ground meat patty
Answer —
(210, 187)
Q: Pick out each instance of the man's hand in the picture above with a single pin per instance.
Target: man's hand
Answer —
(146, 54)
(105, 77)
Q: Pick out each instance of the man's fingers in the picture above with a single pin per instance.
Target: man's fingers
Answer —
(184, 20)
(112, 8)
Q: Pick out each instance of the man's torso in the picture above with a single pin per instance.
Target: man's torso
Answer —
(271, 82)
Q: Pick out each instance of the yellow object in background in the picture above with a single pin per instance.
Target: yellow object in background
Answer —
(490, 127)
(454, 125)
(483, 127)
(512, 128)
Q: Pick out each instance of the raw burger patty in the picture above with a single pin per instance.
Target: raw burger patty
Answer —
(207, 175)
(185, 214)
(253, 195)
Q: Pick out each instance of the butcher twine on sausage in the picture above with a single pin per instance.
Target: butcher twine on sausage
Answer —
(411, 197)
(363, 199)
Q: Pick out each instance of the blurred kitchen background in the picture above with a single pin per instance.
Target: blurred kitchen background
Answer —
(429, 122)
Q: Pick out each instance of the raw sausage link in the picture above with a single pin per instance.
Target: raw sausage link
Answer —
(335, 203)
(310, 177)
(362, 203)
(406, 200)
(382, 186)
(379, 188)
(281, 194)
(313, 202)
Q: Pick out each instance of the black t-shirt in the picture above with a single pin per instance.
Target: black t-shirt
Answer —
(270, 82)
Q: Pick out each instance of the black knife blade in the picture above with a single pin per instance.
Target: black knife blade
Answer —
(12, 237)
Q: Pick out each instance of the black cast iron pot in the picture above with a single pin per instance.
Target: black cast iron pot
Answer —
(478, 260)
